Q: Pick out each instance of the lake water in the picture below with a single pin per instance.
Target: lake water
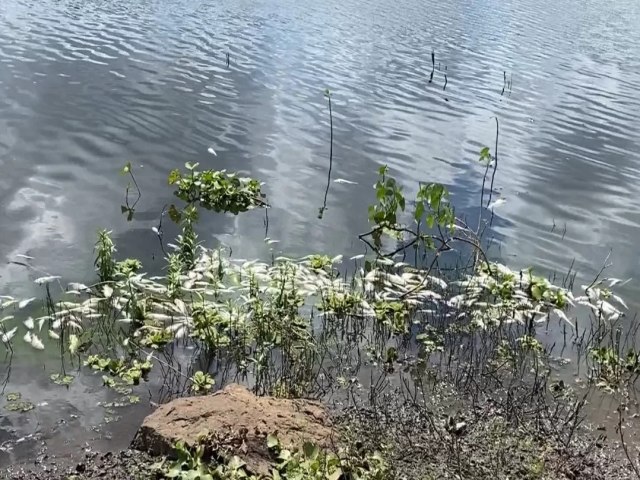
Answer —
(88, 85)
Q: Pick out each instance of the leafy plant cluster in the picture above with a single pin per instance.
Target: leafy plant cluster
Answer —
(300, 327)
(130, 372)
(431, 207)
(497, 295)
(613, 370)
(263, 318)
(216, 190)
(307, 463)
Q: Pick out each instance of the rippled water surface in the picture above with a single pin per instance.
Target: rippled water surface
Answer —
(88, 85)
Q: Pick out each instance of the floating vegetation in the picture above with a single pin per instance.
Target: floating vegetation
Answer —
(216, 190)
(22, 406)
(130, 372)
(62, 379)
(13, 396)
(123, 401)
(112, 417)
(302, 327)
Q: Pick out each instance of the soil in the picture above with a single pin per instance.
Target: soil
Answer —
(126, 465)
(480, 443)
(232, 421)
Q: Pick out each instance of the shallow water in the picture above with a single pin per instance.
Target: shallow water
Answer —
(86, 86)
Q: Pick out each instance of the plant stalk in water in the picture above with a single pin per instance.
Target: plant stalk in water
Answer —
(327, 94)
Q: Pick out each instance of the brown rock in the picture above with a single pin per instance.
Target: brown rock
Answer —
(238, 420)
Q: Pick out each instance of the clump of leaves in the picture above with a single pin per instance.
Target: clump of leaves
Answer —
(156, 338)
(216, 190)
(287, 389)
(17, 405)
(613, 370)
(319, 262)
(391, 202)
(13, 396)
(431, 207)
(340, 304)
(104, 262)
(188, 465)
(210, 327)
(432, 203)
(129, 372)
(307, 463)
(175, 267)
(496, 295)
(430, 341)
(128, 266)
(188, 241)
(393, 314)
(313, 463)
(201, 382)
(530, 344)
(61, 379)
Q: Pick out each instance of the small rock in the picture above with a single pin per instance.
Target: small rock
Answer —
(239, 416)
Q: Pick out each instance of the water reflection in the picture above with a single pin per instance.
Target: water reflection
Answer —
(86, 87)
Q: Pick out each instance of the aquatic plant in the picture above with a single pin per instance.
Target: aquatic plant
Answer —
(308, 462)
(216, 190)
(302, 327)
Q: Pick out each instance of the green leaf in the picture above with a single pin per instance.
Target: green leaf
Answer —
(174, 177)
(174, 472)
(485, 156)
(310, 450)
(175, 214)
(272, 441)
(284, 455)
(335, 475)
(536, 292)
(419, 211)
(126, 169)
(236, 463)
(430, 220)
(400, 199)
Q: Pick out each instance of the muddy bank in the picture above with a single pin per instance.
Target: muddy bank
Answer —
(475, 442)
(129, 464)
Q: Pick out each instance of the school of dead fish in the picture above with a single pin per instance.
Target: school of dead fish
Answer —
(230, 286)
